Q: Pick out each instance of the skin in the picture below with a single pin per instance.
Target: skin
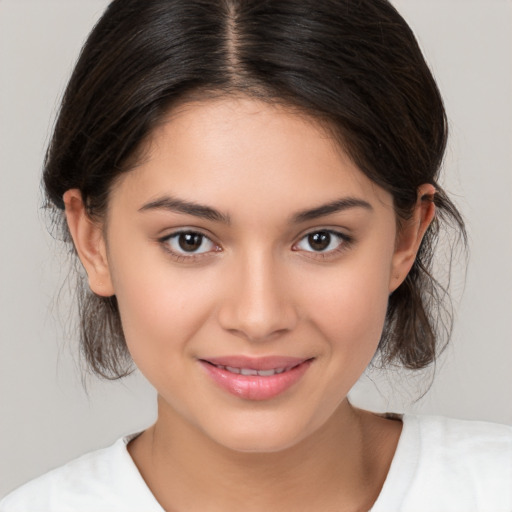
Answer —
(257, 287)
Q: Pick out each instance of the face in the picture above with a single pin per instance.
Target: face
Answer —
(252, 262)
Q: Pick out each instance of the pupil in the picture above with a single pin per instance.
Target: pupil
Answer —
(190, 241)
(319, 241)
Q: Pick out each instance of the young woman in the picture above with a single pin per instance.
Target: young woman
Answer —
(252, 190)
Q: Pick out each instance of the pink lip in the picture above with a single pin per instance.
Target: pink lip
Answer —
(256, 387)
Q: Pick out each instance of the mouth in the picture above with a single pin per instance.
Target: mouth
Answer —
(256, 379)
(253, 372)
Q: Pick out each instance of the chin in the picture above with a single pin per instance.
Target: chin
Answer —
(263, 436)
(259, 443)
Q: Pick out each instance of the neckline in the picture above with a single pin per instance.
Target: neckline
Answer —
(403, 467)
(399, 478)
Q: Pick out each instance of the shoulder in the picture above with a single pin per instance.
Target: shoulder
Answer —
(454, 434)
(463, 442)
(105, 479)
(451, 465)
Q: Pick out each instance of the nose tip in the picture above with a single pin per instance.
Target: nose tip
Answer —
(259, 306)
(258, 329)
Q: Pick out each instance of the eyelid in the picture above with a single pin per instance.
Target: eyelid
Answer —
(187, 256)
(345, 243)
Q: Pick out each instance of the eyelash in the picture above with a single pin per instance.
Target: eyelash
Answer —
(186, 257)
(345, 241)
(189, 257)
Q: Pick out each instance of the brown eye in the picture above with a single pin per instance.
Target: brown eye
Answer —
(190, 242)
(323, 241)
(319, 241)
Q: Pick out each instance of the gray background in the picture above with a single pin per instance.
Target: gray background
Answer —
(46, 416)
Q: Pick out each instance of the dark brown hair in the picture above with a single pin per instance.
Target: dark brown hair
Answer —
(354, 64)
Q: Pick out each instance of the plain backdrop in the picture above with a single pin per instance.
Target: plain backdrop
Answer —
(48, 418)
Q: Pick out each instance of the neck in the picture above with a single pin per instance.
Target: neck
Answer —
(341, 464)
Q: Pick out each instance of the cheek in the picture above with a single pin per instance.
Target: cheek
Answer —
(348, 305)
(160, 308)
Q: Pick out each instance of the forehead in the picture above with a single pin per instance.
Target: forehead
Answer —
(248, 155)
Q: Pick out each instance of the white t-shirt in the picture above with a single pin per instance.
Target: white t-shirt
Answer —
(440, 465)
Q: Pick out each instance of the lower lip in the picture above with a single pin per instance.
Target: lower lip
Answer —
(256, 387)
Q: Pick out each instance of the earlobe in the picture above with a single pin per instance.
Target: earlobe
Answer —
(411, 234)
(89, 242)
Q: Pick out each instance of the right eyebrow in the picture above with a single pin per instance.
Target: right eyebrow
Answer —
(174, 204)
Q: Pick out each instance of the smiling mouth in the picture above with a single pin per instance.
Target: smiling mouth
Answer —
(256, 378)
(252, 372)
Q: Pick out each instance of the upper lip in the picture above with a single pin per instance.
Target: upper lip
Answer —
(256, 363)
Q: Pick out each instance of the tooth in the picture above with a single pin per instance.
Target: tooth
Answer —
(266, 373)
(248, 371)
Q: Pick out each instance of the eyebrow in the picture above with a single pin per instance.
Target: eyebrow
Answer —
(336, 206)
(173, 204)
(188, 207)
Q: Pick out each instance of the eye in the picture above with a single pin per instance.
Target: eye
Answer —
(189, 242)
(322, 241)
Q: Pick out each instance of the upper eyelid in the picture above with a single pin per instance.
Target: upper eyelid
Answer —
(203, 232)
(297, 239)
(193, 230)
(334, 231)
(331, 231)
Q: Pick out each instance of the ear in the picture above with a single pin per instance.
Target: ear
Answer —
(89, 242)
(411, 234)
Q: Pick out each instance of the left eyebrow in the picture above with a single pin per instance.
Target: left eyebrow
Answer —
(336, 206)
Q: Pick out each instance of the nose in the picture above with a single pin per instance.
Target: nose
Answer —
(259, 305)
